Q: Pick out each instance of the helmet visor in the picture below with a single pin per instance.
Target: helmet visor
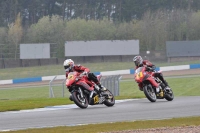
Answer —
(67, 68)
(136, 63)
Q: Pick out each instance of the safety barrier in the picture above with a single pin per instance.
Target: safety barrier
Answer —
(106, 73)
(110, 82)
(51, 89)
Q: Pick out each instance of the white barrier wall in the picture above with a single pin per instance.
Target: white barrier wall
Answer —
(106, 73)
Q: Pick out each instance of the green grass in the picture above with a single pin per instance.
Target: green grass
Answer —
(14, 105)
(49, 70)
(27, 98)
(118, 126)
(31, 92)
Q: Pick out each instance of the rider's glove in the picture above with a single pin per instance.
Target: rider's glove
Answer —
(84, 73)
(150, 69)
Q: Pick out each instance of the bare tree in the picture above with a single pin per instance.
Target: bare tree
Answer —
(15, 33)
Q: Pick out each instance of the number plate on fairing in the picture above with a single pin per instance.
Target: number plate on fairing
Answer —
(96, 99)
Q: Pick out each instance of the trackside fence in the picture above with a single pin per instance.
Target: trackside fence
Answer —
(110, 82)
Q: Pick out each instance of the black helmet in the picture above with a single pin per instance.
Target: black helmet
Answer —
(138, 60)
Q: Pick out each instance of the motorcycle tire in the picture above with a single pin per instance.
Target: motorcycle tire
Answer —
(150, 93)
(80, 102)
(109, 101)
(169, 96)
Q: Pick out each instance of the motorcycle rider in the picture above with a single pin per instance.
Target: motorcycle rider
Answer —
(139, 62)
(69, 66)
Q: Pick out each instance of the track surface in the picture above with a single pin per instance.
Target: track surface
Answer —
(69, 115)
(138, 109)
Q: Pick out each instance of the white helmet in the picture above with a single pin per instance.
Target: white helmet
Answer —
(68, 64)
(138, 60)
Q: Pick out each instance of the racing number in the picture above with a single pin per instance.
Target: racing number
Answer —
(70, 77)
(140, 74)
(96, 99)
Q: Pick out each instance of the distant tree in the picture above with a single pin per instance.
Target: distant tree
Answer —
(3, 35)
(80, 29)
(15, 33)
(48, 31)
(194, 27)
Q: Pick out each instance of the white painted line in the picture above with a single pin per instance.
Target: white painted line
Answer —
(117, 72)
(47, 78)
(2, 82)
(59, 107)
(171, 68)
(7, 130)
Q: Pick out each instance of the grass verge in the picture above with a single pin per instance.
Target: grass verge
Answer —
(118, 126)
(14, 105)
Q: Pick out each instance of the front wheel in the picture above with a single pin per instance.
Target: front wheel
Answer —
(169, 95)
(80, 102)
(110, 99)
(150, 93)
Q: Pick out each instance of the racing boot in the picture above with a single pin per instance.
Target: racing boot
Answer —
(102, 89)
(167, 88)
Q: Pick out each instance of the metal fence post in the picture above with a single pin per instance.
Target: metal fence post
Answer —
(118, 80)
(51, 94)
(63, 91)
(112, 83)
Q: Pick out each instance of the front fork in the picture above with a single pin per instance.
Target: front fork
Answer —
(81, 92)
(90, 96)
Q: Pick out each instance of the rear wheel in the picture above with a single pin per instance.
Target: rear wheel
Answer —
(110, 99)
(81, 102)
(150, 93)
(169, 95)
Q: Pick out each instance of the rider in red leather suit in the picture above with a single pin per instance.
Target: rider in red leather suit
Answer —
(69, 66)
(139, 62)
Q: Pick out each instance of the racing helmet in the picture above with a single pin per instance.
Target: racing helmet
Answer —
(138, 60)
(68, 64)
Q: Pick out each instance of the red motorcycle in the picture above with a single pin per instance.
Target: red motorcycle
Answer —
(146, 79)
(85, 92)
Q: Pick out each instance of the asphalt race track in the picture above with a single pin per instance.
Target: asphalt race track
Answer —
(129, 110)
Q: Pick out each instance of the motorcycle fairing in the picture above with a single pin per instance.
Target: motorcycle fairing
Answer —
(142, 74)
(70, 79)
(85, 85)
(152, 81)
